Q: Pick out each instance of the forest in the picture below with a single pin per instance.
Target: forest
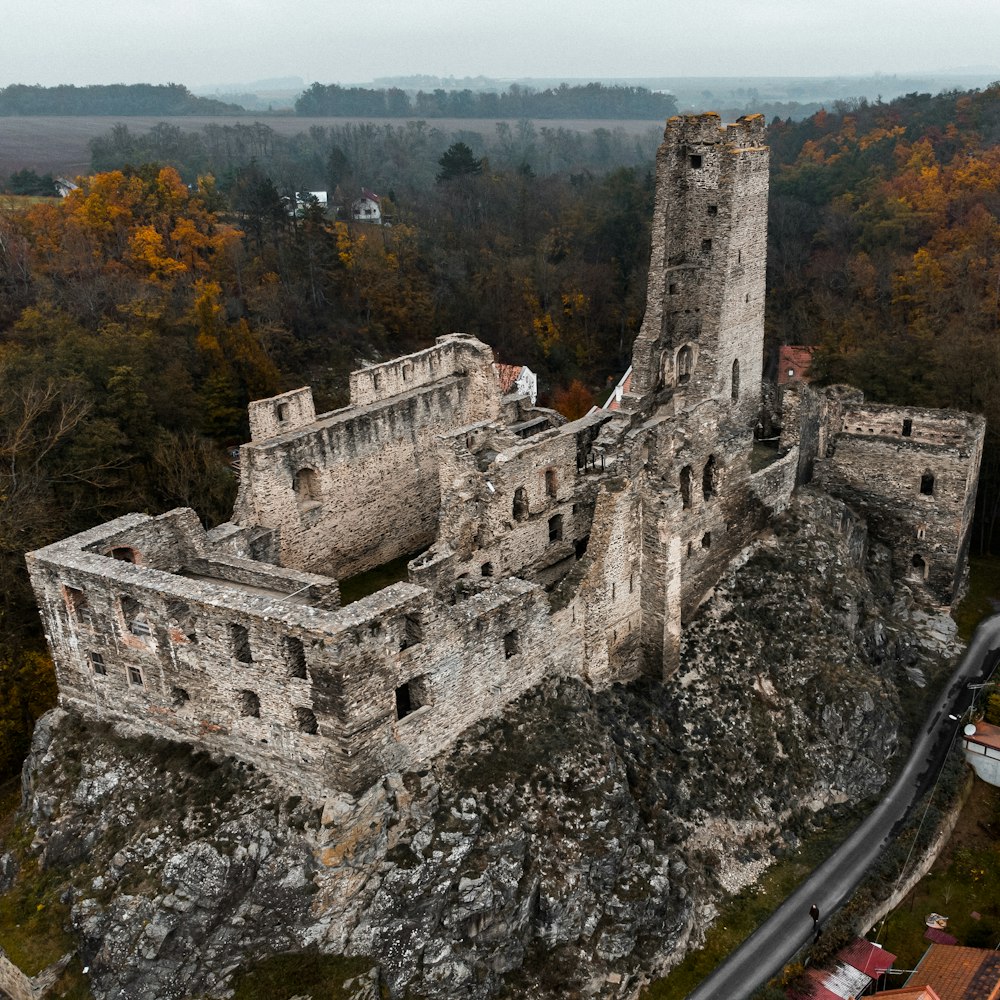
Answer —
(109, 99)
(591, 100)
(139, 315)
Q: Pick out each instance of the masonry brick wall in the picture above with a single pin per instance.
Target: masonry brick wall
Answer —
(913, 473)
(323, 487)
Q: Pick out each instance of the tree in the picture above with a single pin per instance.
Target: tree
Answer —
(28, 182)
(574, 401)
(458, 161)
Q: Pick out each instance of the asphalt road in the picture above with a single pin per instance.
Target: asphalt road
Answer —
(774, 943)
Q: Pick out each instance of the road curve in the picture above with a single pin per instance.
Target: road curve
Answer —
(774, 943)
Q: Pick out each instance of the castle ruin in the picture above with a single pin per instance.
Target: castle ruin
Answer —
(532, 546)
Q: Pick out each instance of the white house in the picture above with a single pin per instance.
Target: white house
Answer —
(981, 743)
(367, 208)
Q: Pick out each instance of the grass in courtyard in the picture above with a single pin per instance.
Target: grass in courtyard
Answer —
(282, 977)
(964, 880)
(763, 454)
(364, 584)
(748, 910)
(984, 592)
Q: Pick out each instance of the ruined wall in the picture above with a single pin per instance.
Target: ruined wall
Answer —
(773, 485)
(324, 697)
(810, 418)
(913, 474)
(610, 592)
(359, 487)
(701, 336)
(512, 506)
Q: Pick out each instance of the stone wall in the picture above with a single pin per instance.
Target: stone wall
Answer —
(913, 474)
(271, 671)
(701, 335)
(358, 487)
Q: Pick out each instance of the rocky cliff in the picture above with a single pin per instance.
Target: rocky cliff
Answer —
(571, 847)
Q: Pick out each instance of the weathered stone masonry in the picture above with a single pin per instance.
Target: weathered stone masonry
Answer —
(538, 547)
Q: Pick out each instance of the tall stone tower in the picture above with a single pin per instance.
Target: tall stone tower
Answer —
(696, 366)
(702, 335)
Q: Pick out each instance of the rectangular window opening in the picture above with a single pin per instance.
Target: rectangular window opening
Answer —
(411, 696)
(412, 632)
(555, 528)
(135, 676)
(695, 160)
(295, 656)
(76, 602)
(239, 643)
(97, 663)
(511, 644)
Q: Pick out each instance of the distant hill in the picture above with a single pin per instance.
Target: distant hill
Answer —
(109, 99)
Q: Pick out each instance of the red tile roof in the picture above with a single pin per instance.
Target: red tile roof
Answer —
(794, 362)
(959, 973)
(508, 376)
(867, 957)
(986, 735)
(911, 993)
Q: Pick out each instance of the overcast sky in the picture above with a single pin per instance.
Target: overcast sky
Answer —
(199, 42)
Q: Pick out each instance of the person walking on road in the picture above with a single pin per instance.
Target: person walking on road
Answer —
(814, 913)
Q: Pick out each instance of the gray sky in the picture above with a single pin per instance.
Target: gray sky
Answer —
(198, 42)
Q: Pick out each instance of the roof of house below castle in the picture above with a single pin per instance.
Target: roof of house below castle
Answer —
(959, 973)
(508, 375)
(794, 362)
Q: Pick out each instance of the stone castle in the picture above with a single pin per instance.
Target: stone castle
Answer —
(531, 546)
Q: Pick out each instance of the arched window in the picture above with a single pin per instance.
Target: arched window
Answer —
(685, 365)
(305, 483)
(736, 380)
(918, 567)
(927, 484)
(520, 507)
(708, 478)
(686, 487)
